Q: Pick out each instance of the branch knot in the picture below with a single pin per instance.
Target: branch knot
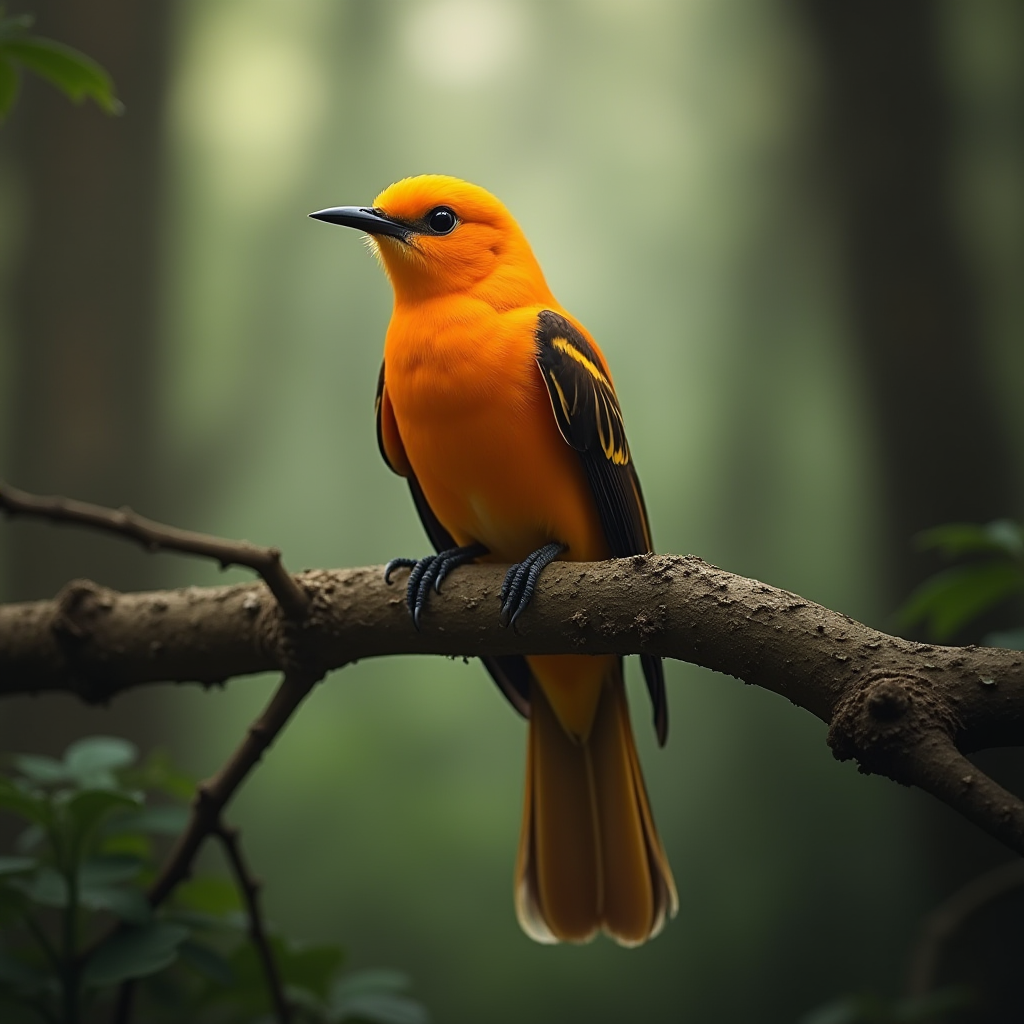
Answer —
(78, 607)
(887, 717)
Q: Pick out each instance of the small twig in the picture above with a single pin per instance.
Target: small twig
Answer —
(155, 536)
(211, 797)
(949, 917)
(250, 888)
(214, 793)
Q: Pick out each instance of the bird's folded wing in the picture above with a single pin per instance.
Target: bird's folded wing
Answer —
(589, 418)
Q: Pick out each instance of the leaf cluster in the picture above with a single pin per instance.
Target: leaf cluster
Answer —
(992, 573)
(75, 920)
(77, 76)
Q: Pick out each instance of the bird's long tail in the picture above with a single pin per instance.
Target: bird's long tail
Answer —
(589, 854)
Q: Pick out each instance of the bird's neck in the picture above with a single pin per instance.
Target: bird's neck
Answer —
(508, 277)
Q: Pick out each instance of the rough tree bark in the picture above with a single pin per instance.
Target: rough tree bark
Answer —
(887, 146)
(905, 710)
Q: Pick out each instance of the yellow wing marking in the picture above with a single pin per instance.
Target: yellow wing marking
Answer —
(561, 394)
(606, 410)
(589, 365)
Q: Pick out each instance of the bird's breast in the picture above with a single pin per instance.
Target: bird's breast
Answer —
(477, 426)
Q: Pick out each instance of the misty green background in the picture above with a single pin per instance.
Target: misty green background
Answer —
(656, 155)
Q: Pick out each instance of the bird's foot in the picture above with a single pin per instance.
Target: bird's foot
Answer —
(521, 581)
(429, 572)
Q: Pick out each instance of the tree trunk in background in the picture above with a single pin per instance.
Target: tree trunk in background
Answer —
(85, 321)
(941, 444)
(943, 452)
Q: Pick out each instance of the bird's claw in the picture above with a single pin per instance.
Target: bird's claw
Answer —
(521, 581)
(397, 563)
(427, 573)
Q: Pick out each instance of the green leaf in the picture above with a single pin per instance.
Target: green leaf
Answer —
(954, 539)
(1010, 639)
(92, 761)
(248, 991)
(17, 865)
(382, 1008)
(208, 962)
(310, 967)
(109, 869)
(77, 76)
(134, 952)
(198, 920)
(168, 819)
(159, 773)
(132, 844)
(858, 1009)
(99, 888)
(209, 894)
(47, 887)
(374, 982)
(373, 996)
(306, 971)
(30, 838)
(33, 806)
(125, 902)
(44, 770)
(16, 25)
(10, 85)
(952, 598)
(87, 808)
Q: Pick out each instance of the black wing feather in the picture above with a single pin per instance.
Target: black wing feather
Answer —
(509, 671)
(589, 418)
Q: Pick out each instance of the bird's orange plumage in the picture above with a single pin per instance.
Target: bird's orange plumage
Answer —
(464, 409)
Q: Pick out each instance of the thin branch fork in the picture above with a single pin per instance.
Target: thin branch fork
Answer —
(213, 794)
(155, 536)
(205, 820)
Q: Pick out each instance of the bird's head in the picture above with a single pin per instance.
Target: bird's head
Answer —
(438, 235)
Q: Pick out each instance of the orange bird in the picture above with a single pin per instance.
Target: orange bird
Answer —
(498, 408)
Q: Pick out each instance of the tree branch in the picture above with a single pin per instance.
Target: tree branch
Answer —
(905, 710)
(156, 536)
(211, 797)
(213, 794)
(250, 890)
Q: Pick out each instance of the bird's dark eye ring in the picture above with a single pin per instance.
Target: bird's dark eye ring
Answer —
(441, 220)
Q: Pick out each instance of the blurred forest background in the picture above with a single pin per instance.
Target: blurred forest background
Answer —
(796, 227)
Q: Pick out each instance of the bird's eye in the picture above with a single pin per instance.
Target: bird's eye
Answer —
(441, 220)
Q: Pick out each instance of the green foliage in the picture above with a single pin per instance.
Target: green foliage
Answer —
(956, 596)
(75, 920)
(933, 1008)
(77, 76)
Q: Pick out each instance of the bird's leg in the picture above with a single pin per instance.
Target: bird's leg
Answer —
(429, 571)
(521, 581)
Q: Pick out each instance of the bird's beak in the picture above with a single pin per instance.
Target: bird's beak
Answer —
(373, 222)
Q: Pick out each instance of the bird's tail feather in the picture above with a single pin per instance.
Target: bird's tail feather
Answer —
(589, 855)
